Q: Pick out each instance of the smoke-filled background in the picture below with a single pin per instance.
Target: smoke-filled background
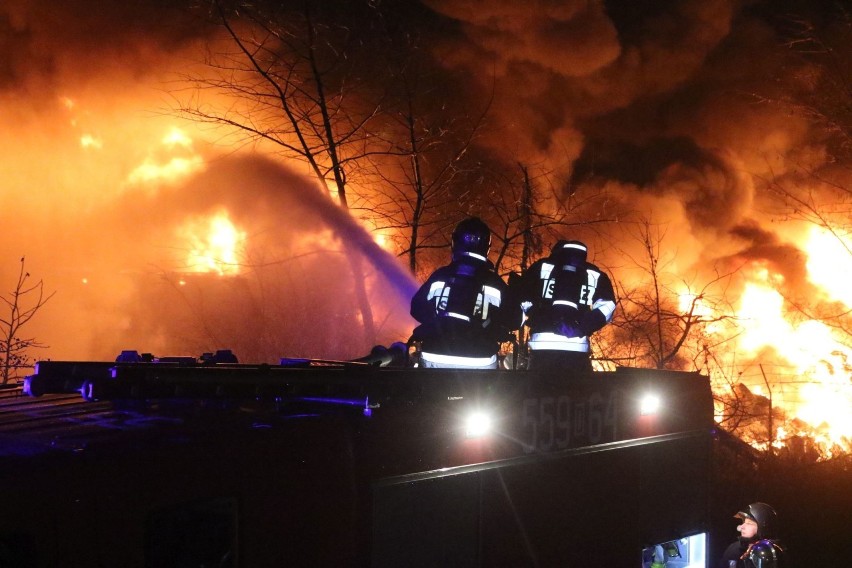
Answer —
(673, 115)
(129, 215)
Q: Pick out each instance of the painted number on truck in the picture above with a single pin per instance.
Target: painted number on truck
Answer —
(560, 422)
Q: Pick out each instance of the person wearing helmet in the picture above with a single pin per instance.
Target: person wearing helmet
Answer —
(460, 307)
(565, 299)
(757, 546)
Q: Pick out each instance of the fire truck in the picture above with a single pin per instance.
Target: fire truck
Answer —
(184, 461)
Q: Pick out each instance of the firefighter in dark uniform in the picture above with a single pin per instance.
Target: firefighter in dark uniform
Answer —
(757, 546)
(461, 307)
(565, 299)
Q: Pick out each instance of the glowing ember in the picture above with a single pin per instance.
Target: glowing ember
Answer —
(215, 245)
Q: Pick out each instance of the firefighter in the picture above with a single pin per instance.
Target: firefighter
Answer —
(565, 299)
(757, 546)
(461, 307)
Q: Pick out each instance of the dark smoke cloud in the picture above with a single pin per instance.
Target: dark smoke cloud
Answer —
(654, 107)
(573, 60)
(766, 248)
(47, 44)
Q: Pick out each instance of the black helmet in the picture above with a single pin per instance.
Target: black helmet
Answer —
(765, 517)
(569, 252)
(471, 237)
(764, 554)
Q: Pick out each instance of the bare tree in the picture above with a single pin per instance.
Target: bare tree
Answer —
(821, 68)
(429, 143)
(663, 321)
(297, 80)
(528, 214)
(817, 86)
(22, 304)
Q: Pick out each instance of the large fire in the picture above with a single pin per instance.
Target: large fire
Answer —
(804, 365)
(829, 260)
(810, 369)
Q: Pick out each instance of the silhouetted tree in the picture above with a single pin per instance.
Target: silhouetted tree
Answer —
(296, 79)
(665, 322)
(415, 184)
(21, 304)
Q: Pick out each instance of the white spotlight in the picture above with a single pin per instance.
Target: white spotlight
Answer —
(650, 404)
(477, 424)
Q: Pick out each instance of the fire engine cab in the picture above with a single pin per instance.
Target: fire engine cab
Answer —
(185, 461)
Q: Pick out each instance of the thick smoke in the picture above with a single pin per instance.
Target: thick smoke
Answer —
(95, 196)
(655, 103)
(293, 295)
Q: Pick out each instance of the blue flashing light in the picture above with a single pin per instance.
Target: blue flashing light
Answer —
(342, 401)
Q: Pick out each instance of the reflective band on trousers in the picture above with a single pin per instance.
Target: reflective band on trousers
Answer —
(556, 342)
(564, 303)
(455, 315)
(457, 360)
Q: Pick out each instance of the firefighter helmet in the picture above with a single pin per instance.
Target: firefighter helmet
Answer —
(570, 252)
(763, 554)
(472, 237)
(765, 517)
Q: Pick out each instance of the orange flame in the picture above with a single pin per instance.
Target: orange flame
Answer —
(830, 255)
(819, 389)
(215, 245)
(169, 168)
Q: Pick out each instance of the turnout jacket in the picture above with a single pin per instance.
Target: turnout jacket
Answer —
(753, 553)
(564, 304)
(462, 310)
